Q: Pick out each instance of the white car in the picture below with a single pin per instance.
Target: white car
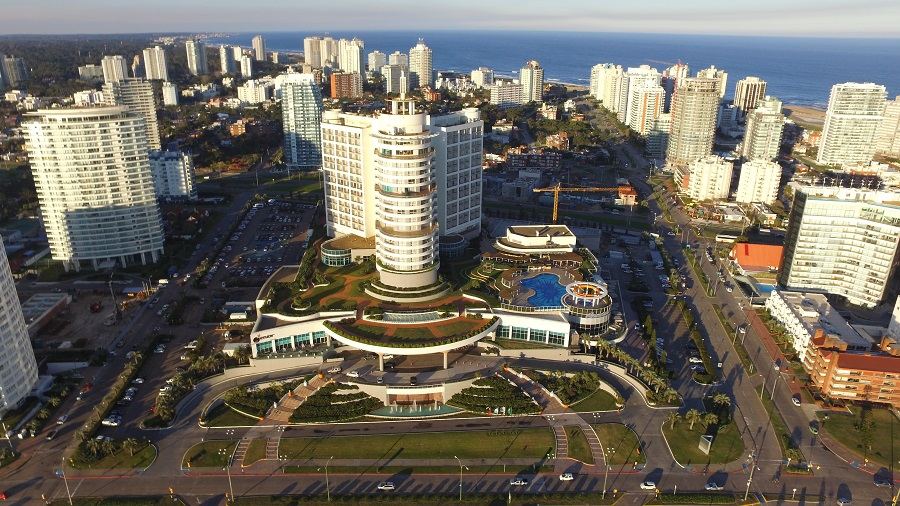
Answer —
(335, 370)
(713, 486)
(695, 360)
(796, 400)
(353, 374)
(137, 381)
(61, 420)
(518, 482)
(648, 485)
(386, 485)
(566, 477)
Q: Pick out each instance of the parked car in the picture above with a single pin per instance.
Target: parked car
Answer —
(566, 477)
(386, 485)
(648, 485)
(796, 400)
(713, 486)
(518, 482)
(52, 434)
(335, 370)
(61, 420)
(353, 374)
(695, 360)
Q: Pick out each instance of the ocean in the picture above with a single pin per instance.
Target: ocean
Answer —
(799, 71)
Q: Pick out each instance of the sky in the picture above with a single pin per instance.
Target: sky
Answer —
(819, 18)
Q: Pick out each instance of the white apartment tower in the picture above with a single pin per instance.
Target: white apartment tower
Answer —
(748, 92)
(670, 79)
(351, 56)
(398, 58)
(858, 228)
(695, 105)
(238, 53)
(301, 112)
(259, 48)
(531, 78)
(482, 77)
(607, 81)
(196, 57)
(635, 78)
(115, 68)
(505, 94)
(312, 51)
(887, 138)
(762, 136)
(420, 65)
(646, 102)
(169, 94)
(855, 111)
(396, 79)
(155, 67)
(328, 51)
(758, 182)
(658, 136)
(226, 59)
(246, 66)
(376, 60)
(720, 75)
(173, 174)
(138, 96)
(707, 178)
(18, 368)
(93, 180)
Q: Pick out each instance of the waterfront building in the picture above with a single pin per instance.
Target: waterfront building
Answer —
(762, 135)
(173, 175)
(645, 103)
(707, 178)
(635, 80)
(115, 68)
(376, 60)
(398, 58)
(301, 111)
(694, 108)
(351, 56)
(859, 228)
(138, 96)
(18, 368)
(420, 66)
(312, 51)
(748, 92)
(155, 66)
(758, 182)
(855, 111)
(94, 185)
(887, 138)
(531, 78)
(607, 81)
(670, 78)
(196, 57)
(482, 77)
(719, 75)
(259, 48)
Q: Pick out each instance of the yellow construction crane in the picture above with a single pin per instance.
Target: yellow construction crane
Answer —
(557, 189)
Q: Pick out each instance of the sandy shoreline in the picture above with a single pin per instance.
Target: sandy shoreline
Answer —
(805, 114)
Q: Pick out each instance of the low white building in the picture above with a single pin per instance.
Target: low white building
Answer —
(506, 94)
(708, 178)
(802, 314)
(173, 174)
(255, 91)
(759, 181)
(536, 240)
(87, 98)
(169, 94)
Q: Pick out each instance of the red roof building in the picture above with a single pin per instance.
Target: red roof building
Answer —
(753, 257)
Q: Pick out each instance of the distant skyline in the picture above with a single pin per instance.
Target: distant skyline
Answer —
(807, 18)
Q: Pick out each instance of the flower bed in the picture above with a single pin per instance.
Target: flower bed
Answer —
(493, 392)
(447, 332)
(335, 402)
(569, 389)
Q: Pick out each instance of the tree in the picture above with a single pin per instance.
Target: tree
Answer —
(132, 445)
(672, 418)
(242, 354)
(710, 419)
(692, 417)
(721, 400)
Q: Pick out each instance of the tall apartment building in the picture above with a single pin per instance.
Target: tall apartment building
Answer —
(18, 368)
(346, 85)
(670, 78)
(238, 53)
(226, 60)
(707, 178)
(328, 51)
(173, 174)
(94, 185)
(719, 75)
(758, 182)
(351, 55)
(482, 77)
(115, 68)
(279, 58)
(312, 51)
(855, 111)
(635, 78)
(887, 138)
(14, 70)
(646, 102)
(246, 66)
(155, 66)
(859, 229)
(196, 57)
(531, 78)
(138, 96)
(301, 112)
(762, 136)
(376, 60)
(694, 108)
(421, 70)
(259, 48)
(169, 94)
(505, 94)
(426, 175)
(398, 58)
(396, 79)
(748, 92)
(607, 81)
(137, 67)
(658, 137)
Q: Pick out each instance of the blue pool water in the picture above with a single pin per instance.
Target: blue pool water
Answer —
(547, 290)
(764, 289)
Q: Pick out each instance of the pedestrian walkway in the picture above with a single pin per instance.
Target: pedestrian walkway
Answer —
(281, 413)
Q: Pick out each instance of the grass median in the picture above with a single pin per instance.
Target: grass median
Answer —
(869, 432)
(600, 400)
(731, 332)
(620, 444)
(215, 453)
(579, 449)
(684, 442)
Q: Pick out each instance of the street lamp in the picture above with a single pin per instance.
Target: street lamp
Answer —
(223, 452)
(62, 470)
(327, 485)
(461, 466)
(750, 479)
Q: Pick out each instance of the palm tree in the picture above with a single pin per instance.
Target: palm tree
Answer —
(722, 400)
(692, 417)
(710, 419)
(671, 418)
(131, 445)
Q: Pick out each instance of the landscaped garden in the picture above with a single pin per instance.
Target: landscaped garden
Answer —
(213, 453)
(620, 444)
(578, 446)
(112, 454)
(571, 388)
(224, 416)
(254, 401)
(683, 435)
(866, 430)
(411, 335)
(658, 389)
(489, 393)
(335, 402)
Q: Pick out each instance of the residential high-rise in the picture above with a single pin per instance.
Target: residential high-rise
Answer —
(115, 68)
(658, 137)
(259, 48)
(301, 112)
(720, 75)
(607, 81)
(346, 85)
(758, 182)
(279, 58)
(169, 94)
(531, 77)
(396, 79)
(226, 59)
(694, 108)
(398, 58)
(762, 137)
(246, 66)
(670, 78)
(482, 77)
(376, 60)
(855, 111)
(238, 53)
(196, 57)
(94, 185)
(505, 94)
(173, 174)
(328, 51)
(887, 138)
(312, 51)
(255, 91)
(420, 66)
(748, 92)
(137, 68)
(635, 78)
(137, 95)
(351, 55)
(18, 368)
(707, 178)
(155, 67)
(426, 176)
(646, 102)
(14, 70)
(859, 230)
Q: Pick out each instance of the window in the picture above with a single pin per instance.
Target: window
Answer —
(503, 331)
(520, 333)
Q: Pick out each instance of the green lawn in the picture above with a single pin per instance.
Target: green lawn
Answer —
(600, 400)
(695, 498)
(255, 452)
(620, 444)
(525, 443)
(845, 428)
(579, 449)
(223, 416)
(209, 453)
(726, 447)
(124, 460)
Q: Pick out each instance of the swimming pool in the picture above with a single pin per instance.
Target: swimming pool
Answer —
(764, 289)
(548, 291)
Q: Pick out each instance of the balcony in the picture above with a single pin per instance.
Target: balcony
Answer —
(418, 232)
(424, 191)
